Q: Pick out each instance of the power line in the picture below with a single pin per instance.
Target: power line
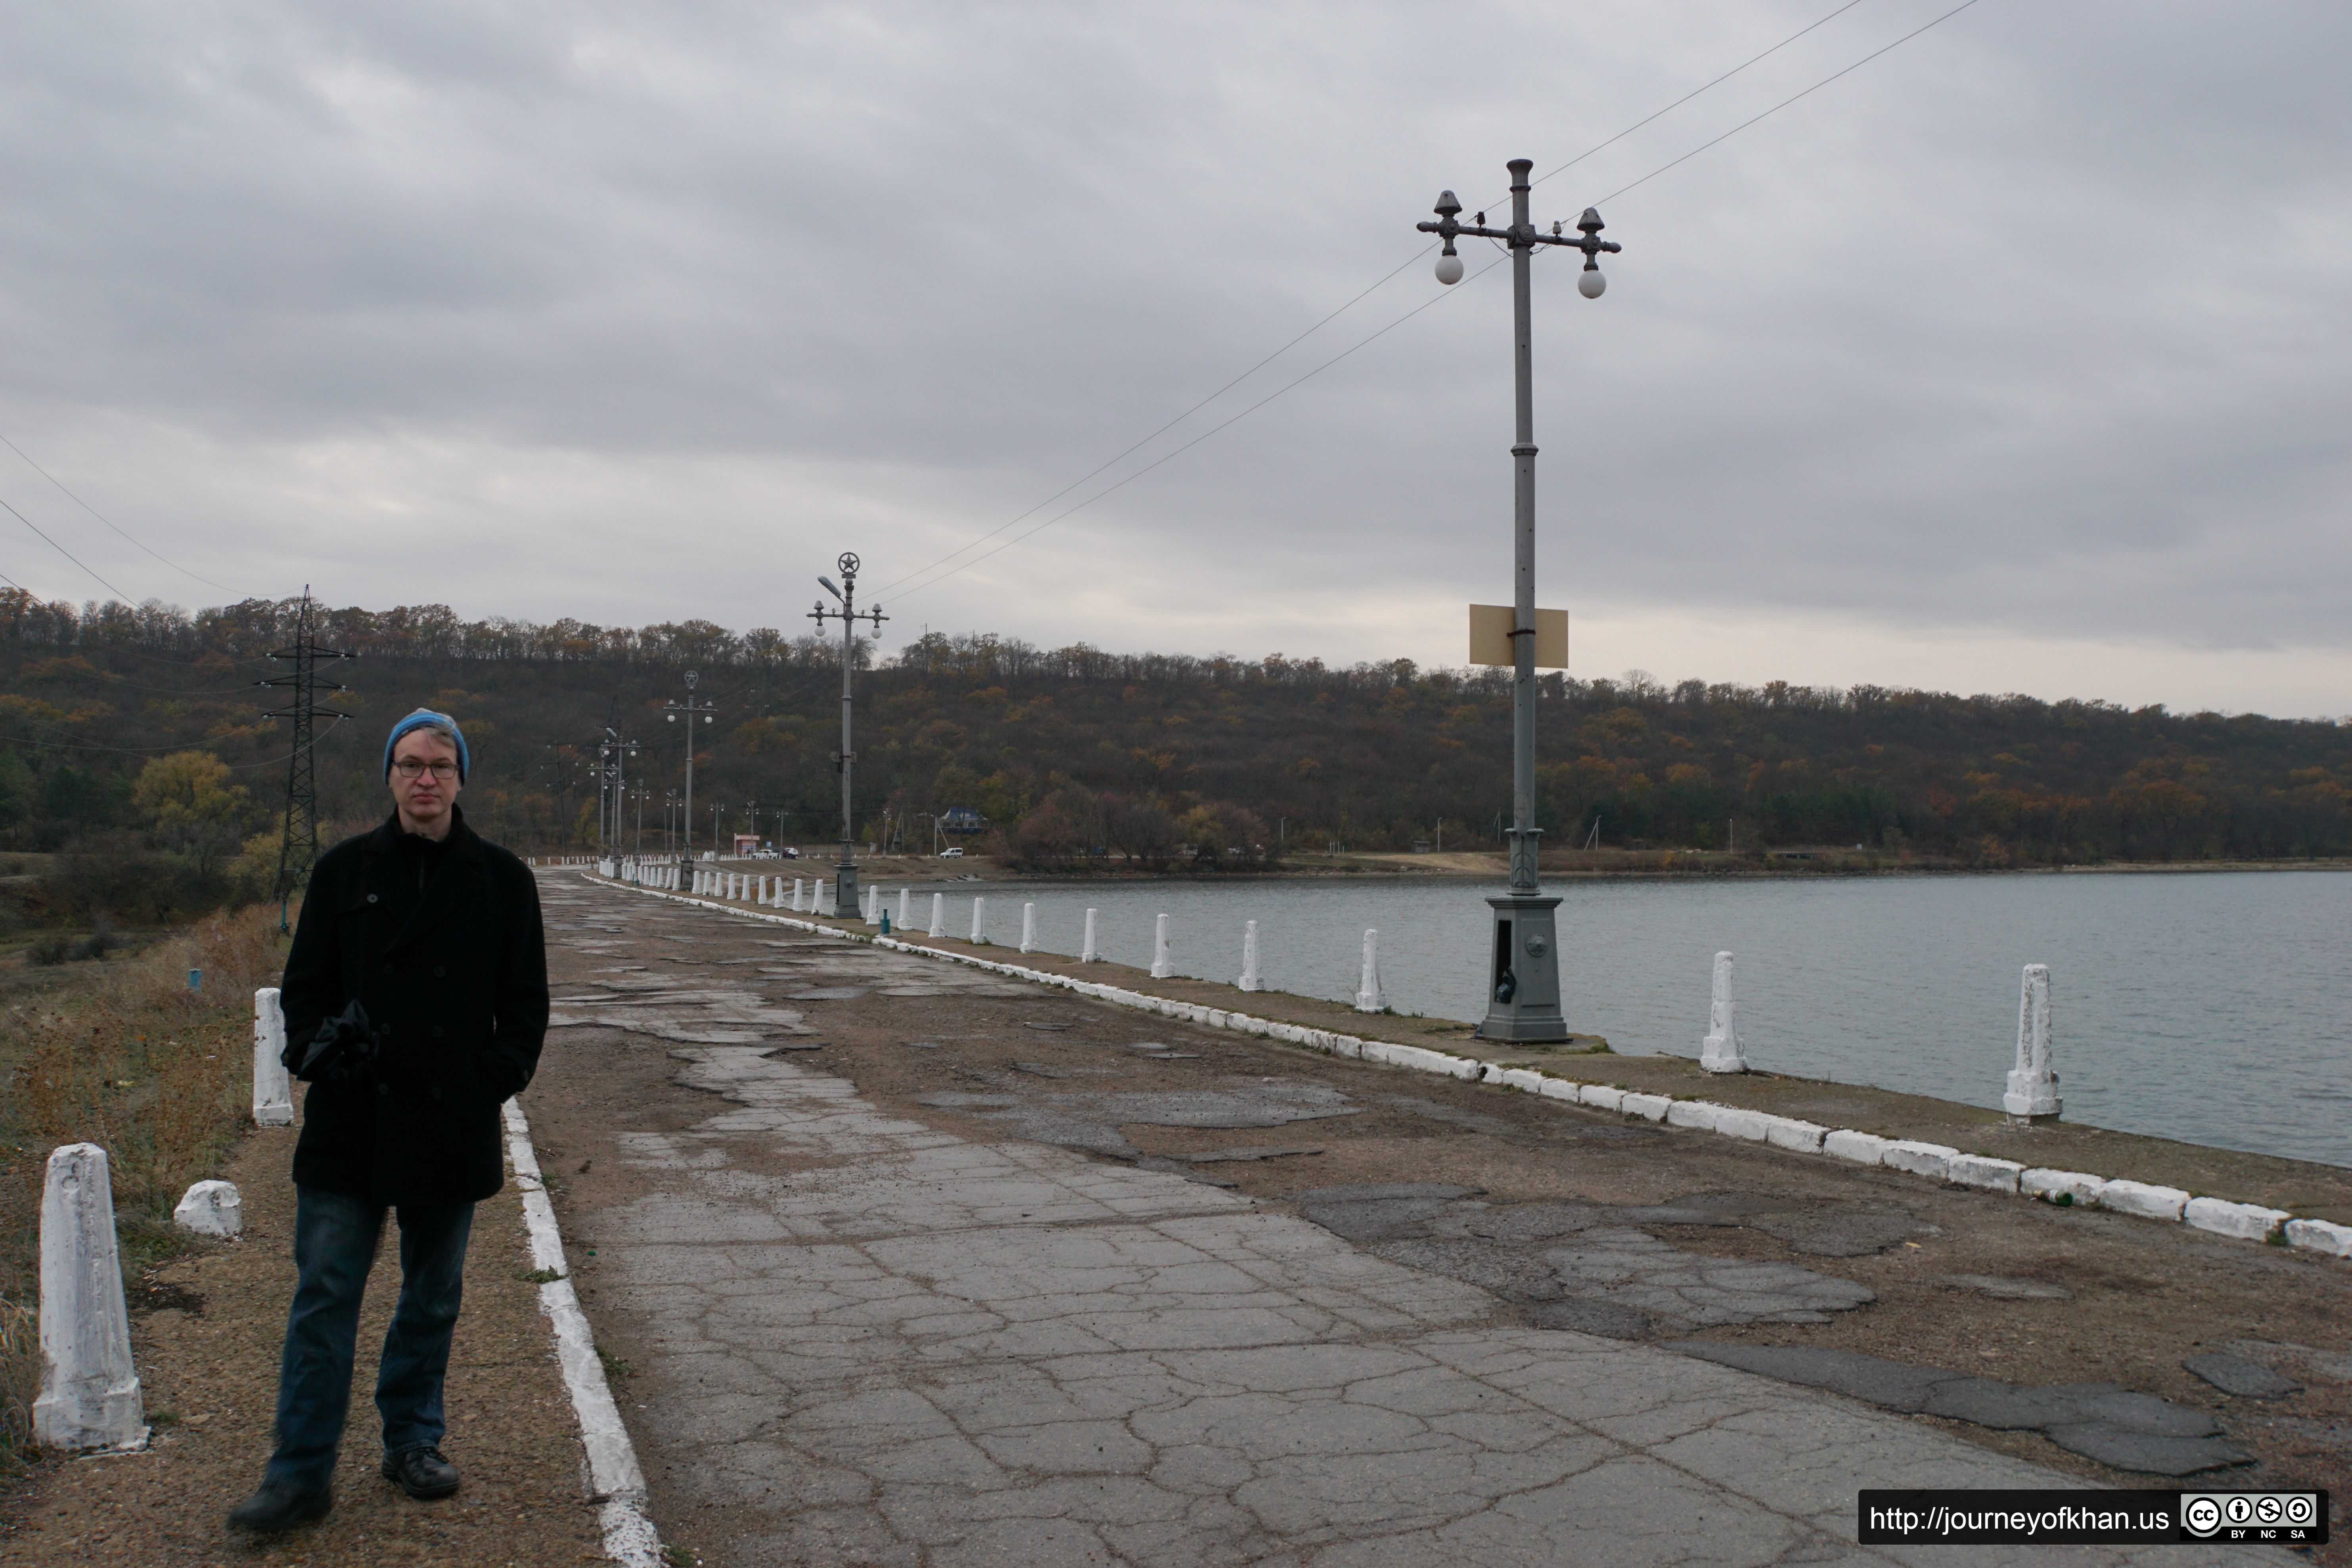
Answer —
(1784, 103)
(1685, 98)
(1726, 76)
(1205, 435)
(109, 521)
(61, 549)
(1236, 380)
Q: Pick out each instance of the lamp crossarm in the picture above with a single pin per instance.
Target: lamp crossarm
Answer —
(1520, 234)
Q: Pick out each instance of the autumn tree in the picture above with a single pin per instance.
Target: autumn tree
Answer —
(191, 807)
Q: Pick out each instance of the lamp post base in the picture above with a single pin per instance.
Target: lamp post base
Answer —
(845, 885)
(1523, 976)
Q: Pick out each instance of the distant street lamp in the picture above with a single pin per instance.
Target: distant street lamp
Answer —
(1523, 984)
(671, 711)
(845, 893)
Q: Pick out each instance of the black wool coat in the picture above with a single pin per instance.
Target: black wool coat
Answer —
(457, 975)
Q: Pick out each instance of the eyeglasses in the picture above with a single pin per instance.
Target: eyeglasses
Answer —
(409, 767)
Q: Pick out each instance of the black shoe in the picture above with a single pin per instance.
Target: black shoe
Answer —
(280, 1505)
(421, 1473)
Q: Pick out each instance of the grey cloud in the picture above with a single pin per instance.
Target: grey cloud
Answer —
(2037, 323)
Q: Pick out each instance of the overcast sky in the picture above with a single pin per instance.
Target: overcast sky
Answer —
(2016, 360)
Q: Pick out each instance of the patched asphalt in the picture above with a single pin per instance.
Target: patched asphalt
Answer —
(897, 1252)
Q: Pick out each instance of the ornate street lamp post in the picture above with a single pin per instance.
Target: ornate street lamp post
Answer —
(691, 709)
(1523, 982)
(845, 891)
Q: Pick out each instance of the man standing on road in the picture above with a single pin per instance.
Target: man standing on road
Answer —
(435, 935)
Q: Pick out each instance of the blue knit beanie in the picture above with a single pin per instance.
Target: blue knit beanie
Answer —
(418, 720)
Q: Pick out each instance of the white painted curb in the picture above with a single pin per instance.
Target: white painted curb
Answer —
(615, 1483)
(2249, 1222)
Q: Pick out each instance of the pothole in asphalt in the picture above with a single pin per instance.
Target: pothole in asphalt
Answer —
(1365, 1213)
(2097, 1420)
(1093, 1122)
(1585, 1265)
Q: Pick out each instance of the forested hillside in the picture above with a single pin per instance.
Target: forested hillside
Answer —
(1151, 759)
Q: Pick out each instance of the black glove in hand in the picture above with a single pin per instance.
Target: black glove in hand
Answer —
(345, 1044)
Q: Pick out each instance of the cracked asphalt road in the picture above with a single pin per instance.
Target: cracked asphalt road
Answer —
(882, 1291)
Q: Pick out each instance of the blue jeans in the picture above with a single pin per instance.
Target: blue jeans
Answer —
(334, 1248)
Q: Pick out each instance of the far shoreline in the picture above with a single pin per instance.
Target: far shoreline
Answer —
(1635, 864)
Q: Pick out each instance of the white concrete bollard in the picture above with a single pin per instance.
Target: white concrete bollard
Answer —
(1722, 1050)
(1028, 928)
(873, 907)
(2032, 1085)
(211, 1208)
(796, 895)
(1367, 994)
(273, 1089)
(1161, 965)
(1090, 953)
(1249, 980)
(939, 915)
(89, 1391)
(979, 921)
(906, 907)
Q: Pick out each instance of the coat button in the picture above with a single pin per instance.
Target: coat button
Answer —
(436, 1031)
(384, 1088)
(438, 972)
(387, 969)
(370, 897)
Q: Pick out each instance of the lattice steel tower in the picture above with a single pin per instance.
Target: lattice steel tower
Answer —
(297, 851)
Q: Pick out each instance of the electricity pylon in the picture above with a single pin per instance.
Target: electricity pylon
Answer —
(297, 850)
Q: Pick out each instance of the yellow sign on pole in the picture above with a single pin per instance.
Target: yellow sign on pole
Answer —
(1490, 636)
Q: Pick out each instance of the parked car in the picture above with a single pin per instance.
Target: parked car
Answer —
(952, 852)
(788, 853)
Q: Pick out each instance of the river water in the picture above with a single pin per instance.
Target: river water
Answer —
(2199, 1006)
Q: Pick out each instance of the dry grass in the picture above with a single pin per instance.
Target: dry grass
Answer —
(157, 1075)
